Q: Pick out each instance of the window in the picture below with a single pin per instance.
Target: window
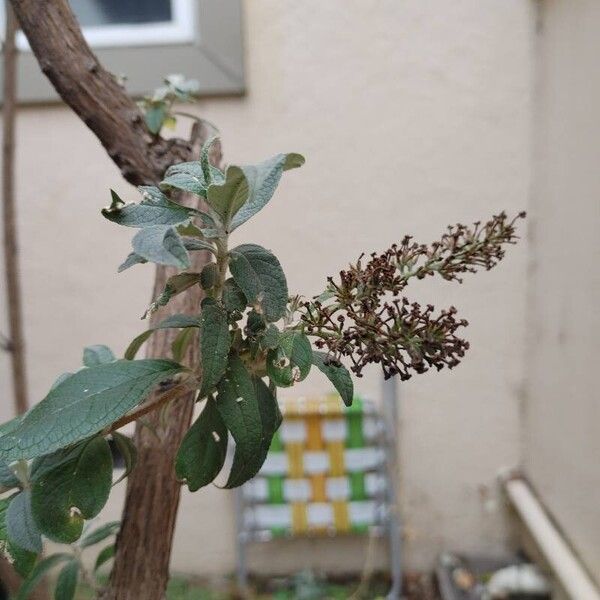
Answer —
(144, 40)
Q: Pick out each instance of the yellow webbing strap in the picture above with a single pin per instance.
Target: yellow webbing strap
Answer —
(299, 518)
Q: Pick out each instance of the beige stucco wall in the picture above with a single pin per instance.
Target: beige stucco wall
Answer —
(562, 416)
(412, 115)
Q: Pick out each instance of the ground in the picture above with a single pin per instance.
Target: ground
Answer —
(303, 586)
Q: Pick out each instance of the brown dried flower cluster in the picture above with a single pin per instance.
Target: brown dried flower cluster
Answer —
(363, 317)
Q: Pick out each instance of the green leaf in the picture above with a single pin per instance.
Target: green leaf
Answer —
(38, 572)
(244, 467)
(100, 534)
(66, 583)
(154, 209)
(104, 556)
(22, 560)
(261, 278)
(207, 168)
(228, 197)
(155, 115)
(338, 375)
(162, 245)
(21, 527)
(175, 285)
(172, 322)
(214, 346)
(181, 343)
(209, 276)
(189, 177)
(192, 244)
(7, 477)
(74, 489)
(202, 452)
(233, 297)
(132, 259)
(94, 356)
(127, 450)
(270, 338)
(291, 360)
(83, 405)
(238, 406)
(262, 181)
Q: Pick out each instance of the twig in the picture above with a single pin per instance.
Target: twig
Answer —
(153, 404)
(11, 259)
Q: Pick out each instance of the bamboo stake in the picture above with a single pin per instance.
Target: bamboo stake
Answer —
(16, 344)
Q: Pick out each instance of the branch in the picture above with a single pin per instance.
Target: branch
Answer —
(156, 402)
(93, 93)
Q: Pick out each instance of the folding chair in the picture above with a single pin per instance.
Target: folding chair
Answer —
(330, 471)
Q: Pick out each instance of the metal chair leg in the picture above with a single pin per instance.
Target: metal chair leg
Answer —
(241, 562)
(390, 408)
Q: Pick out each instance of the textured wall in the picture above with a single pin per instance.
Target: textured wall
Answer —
(562, 426)
(412, 114)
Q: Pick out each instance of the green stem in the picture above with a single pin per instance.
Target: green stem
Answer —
(222, 266)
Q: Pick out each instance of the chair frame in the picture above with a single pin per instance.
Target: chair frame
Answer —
(392, 524)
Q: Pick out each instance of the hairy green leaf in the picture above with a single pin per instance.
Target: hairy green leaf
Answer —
(175, 285)
(155, 115)
(192, 244)
(233, 297)
(100, 534)
(97, 355)
(154, 209)
(8, 479)
(22, 560)
(66, 584)
(214, 346)
(172, 322)
(228, 197)
(132, 259)
(202, 452)
(260, 276)
(104, 556)
(162, 245)
(208, 169)
(237, 403)
(83, 405)
(190, 177)
(74, 489)
(270, 338)
(244, 467)
(338, 375)
(21, 527)
(38, 572)
(291, 360)
(209, 276)
(262, 180)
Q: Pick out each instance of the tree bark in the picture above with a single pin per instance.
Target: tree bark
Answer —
(144, 544)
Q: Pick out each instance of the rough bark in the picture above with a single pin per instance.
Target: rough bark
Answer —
(94, 93)
(144, 545)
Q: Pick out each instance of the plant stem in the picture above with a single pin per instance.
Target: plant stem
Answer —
(222, 266)
(181, 389)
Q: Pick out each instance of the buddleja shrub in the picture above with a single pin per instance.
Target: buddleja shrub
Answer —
(253, 337)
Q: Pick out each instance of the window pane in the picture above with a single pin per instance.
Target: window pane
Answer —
(112, 12)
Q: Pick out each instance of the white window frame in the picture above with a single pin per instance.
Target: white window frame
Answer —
(203, 41)
(179, 30)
